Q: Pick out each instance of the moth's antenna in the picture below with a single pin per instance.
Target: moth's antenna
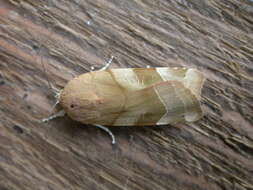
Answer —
(61, 113)
(54, 89)
(45, 71)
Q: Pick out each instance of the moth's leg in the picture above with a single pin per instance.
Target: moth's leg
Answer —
(92, 68)
(61, 113)
(57, 94)
(107, 65)
(108, 131)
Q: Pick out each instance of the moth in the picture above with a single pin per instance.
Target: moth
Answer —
(133, 97)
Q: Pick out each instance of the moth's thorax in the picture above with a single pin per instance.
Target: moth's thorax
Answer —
(77, 97)
(85, 100)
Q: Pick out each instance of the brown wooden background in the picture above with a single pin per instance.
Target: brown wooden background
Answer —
(68, 37)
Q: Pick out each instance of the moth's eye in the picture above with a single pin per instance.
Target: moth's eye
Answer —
(72, 106)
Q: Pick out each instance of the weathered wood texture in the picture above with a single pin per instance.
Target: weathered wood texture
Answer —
(68, 37)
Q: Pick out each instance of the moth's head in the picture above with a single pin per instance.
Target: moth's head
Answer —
(79, 103)
(68, 102)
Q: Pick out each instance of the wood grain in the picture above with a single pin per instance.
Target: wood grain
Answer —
(68, 37)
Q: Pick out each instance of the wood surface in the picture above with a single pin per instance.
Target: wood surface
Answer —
(68, 37)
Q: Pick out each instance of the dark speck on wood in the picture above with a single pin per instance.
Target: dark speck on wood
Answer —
(18, 129)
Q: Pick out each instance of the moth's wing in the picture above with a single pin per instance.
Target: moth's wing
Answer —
(163, 103)
(140, 78)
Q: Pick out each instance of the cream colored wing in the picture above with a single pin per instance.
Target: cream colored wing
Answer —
(160, 104)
